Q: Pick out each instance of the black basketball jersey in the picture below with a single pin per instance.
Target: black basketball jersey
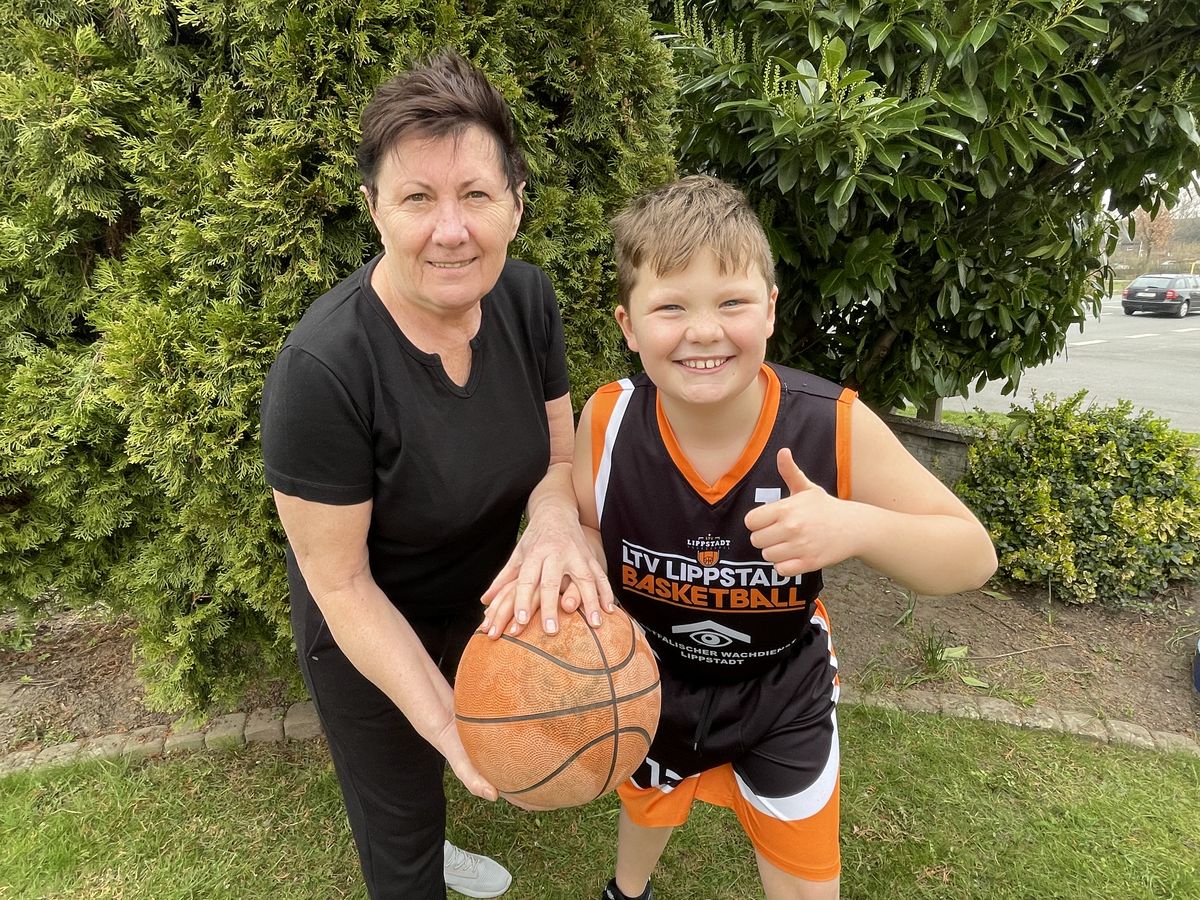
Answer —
(679, 554)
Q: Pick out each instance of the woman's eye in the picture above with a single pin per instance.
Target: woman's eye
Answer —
(477, 195)
(416, 198)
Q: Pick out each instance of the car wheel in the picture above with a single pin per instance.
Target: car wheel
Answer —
(1128, 311)
(1184, 307)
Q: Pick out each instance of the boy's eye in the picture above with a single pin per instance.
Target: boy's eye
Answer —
(732, 302)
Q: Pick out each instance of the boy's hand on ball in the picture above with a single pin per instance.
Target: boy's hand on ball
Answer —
(804, 531)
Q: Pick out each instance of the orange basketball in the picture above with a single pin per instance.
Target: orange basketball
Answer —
(558, 720)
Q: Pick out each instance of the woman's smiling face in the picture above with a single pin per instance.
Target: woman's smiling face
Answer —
(446, 215)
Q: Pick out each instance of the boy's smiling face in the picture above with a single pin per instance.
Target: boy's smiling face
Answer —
(702, 334)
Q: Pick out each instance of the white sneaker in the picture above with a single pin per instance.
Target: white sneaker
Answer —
(474, 875)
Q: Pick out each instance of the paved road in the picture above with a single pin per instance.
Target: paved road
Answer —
(1152, 362)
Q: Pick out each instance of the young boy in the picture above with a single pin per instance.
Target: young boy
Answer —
(720, 486)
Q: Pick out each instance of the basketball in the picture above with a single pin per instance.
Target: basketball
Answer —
(558, 720)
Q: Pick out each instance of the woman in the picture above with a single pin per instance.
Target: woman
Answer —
(417, 409)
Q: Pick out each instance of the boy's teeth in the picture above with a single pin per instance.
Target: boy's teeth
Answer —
(702, 363)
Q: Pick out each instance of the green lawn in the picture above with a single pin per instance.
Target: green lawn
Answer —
(932, 807)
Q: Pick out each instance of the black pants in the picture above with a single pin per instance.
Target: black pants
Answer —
(391, 777)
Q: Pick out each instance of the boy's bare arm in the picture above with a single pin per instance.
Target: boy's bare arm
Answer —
(585, 494)
(899, 519)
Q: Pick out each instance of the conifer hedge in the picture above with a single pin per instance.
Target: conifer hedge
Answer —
(179, 186)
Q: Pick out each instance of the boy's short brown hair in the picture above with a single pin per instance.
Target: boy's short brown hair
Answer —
(666, 226)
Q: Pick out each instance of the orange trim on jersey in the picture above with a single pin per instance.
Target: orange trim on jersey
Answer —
(845, 408)
(604, 401)
(712, 493)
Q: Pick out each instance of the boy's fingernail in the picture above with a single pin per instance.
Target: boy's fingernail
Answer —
(492, 631)
(596, 619)
(522, 616)
(551, 626)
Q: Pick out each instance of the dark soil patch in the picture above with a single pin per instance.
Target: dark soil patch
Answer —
(1129, 665)
(76, 678)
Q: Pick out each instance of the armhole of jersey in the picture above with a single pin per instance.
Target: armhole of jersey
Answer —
(608, 409)
(845, 408)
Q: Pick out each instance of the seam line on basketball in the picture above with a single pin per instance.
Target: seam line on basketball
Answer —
(555, 713)
(568, 667)
(614, 737)
(616, 707)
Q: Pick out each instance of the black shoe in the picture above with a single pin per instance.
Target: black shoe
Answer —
(612, 892)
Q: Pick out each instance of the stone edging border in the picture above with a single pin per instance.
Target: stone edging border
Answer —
(298, 722)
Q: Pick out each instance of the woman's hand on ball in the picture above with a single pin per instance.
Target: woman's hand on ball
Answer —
(506, 615)
(450, 745)
(552, 571)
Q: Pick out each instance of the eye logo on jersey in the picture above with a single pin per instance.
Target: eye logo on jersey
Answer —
(711, 634)
(708, 549)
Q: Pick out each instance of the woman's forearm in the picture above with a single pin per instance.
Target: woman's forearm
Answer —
(381, 644)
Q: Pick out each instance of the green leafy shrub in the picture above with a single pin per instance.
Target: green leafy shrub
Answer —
(1096, 502)
(179, 186)
(941, 182)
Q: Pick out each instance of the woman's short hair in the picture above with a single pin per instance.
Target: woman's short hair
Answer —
(665, 227)
(443, 94)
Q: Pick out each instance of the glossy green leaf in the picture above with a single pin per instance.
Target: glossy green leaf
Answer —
(987, 184)
(1187, 123)
(921, 35)
(877, 34)
(1100, 26)
(835, 55)
(931, 190)
(945, 131)
(981, 33)
(845, 189)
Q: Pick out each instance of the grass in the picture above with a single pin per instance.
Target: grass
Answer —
(975, 418)
(931, 808)
(978, 418)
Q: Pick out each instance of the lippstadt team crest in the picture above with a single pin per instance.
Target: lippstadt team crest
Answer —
(708, 549)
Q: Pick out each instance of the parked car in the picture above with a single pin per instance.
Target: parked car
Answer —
(1176, 295)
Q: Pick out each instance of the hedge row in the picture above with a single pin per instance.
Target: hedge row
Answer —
(180, 185)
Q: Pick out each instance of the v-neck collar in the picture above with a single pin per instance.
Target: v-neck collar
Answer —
(713, 493)
(431, 361)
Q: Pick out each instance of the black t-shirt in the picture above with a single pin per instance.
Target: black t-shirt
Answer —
(353, 411)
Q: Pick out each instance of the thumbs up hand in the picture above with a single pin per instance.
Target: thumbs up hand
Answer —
(796, 480)
(804, 531)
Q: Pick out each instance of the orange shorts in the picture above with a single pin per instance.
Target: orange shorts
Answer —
(779, 732)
